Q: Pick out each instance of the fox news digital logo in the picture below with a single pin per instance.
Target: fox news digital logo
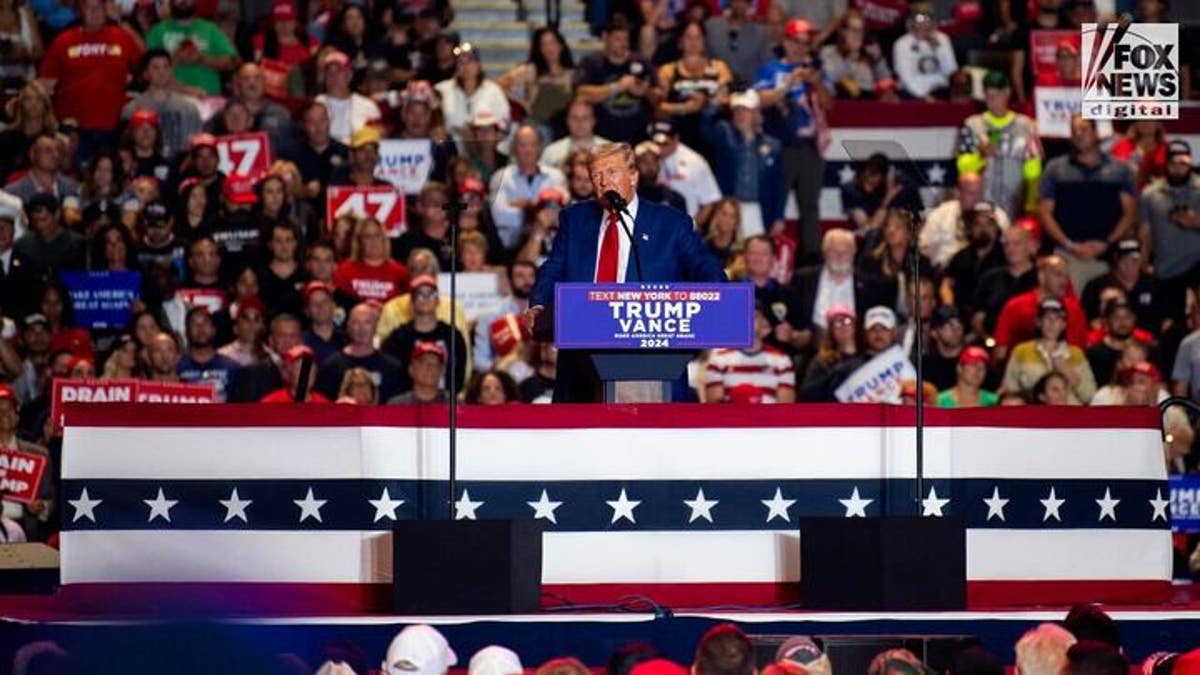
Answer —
(1131, 71)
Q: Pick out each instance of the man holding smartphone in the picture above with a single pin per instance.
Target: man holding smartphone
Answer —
(622, 86)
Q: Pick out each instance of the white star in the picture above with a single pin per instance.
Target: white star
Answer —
(160, 506)
(777, 506)
(385, 506)
(310, 506)
(701, 507)
(1052, 504)
(1108, 505)
(856, 505)
(1160, 506)
(85, 506)
(465, 508)
(544, 508)
(937, 175)
(995, 504)
(623, 507)
(235, 506)
(931, 505)
(846, 174)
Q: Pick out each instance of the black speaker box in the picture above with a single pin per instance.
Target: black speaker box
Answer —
(883, 564)
(467, 566)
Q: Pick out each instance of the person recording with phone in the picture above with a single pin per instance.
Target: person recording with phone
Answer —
(616, 238)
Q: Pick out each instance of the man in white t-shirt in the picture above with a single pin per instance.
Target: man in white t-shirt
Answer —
(581, 128)
(685, 171)
(348, 111)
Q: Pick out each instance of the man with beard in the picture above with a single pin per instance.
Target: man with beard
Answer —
(1136, 285)
(521, 275)
(941, 358)
(200, 49)
(202, 363)
(1170, 209)
(980, 255)
(944, 231)
(1018, 275)
(1120, 323)
(648, 165)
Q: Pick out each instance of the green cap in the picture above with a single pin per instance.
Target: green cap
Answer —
(995, 79)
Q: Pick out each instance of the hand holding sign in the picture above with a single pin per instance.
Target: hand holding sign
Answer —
(244, 158)
(383, 203)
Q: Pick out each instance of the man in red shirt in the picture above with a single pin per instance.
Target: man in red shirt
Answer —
(1017, 321)
(87, 68)
(292, 360)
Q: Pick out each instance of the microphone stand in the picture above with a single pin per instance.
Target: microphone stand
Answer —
(621, 208)
(914, 253)
(453, 209)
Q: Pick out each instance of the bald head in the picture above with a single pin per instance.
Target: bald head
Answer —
(970, 190)
(1052, 276)
(527, 147)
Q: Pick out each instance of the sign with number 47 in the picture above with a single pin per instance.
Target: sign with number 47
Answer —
(383, 202)
(244, 158)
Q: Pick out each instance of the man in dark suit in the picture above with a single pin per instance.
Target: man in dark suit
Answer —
(17, 273)
(591, 246)
(834, 282)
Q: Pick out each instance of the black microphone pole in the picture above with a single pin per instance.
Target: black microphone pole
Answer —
(617, 202)
(452, 209)
(914, 252)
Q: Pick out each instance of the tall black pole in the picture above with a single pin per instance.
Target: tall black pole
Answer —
(914, 252)
(453, 208)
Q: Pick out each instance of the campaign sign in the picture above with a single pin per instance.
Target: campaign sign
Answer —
(479, 292)
(878, 380)
(176, 392)
(653, 316)
(123, 390)
(385, 204)
(405, 163)
(1043, 51)
(244, 159)
(1056, 105)
(20, 475)
(103, 300)
(1185, 503)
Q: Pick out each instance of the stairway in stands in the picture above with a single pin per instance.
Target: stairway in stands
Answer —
(502, 36)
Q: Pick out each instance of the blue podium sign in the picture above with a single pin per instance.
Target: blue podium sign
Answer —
(653, 316)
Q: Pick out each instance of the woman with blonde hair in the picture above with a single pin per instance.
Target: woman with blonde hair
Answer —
(370, 273)
(295, 202)
(32, 115)
(723, 232)
(358, 388)
(123, 361)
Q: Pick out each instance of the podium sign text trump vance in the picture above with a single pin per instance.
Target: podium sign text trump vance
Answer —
(653, 316)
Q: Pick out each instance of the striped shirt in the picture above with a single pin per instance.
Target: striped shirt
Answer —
(768, 371)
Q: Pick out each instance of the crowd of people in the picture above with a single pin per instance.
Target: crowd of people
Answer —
(1086, 642)
(1058, 273)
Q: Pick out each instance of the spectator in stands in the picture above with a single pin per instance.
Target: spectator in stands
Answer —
(418, 123)
(249, 85)
(203, 164)
(879, 335)
(201, 51)
(324, 336)
(647, 157)
(399, 310)
(1050, 351)
(855, 64)
(735, 38)
(358, 388)
(469, 92)
(968, 391)
(798, 95)
(264, 375)
(981, 255)
(347, 110)
(1043, 650)
(426, 327)
(840, 343)
(924, 59)
(722, 235)
(542, 84)
(515, 188)
(685, 171)
(285, 40)
(352, 34)
(1002, 146)
(432, 230)
(691, 84)
(998, 285)
(17, 272)
(360, 352)
(579, 176)
(724, 650)
(1170, 210)
(494, 659)
(32, 115)
(835, 282)
(364, 159)
(177, 114)
(521, 276)
(758, 252)
(751, 166)
(943, 351)
(1088, 203)
(482, 137)
(622, 86)
(419, 644)
(1126, 275)
(48, 244)
(877, 188)
(426, 370)
(370, 273)
(760, 374)
(1017, 321)
(246, 348)
(143, 141)
(1094, 658)
(281, 278)
(1144, 148)
(492, 388)
(30, 519)
(944, 231)
(581, 135)
(1089, 623)
(891, 259)
(292, 368)
(317, 154)
(94, 57)
(46, 174)
(202, 362)
(893, 661)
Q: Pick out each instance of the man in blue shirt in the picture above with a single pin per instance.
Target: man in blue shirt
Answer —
(202, 363)
(799, 95)
(752, 170)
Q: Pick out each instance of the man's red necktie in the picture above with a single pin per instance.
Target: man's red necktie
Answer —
(606, 269)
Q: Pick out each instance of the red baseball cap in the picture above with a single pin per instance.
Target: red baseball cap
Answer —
(797, 27)
(250, 302)
(1030, 225)
(283, 11)
(838, 312)
(143, 117)
(316, 287)
(296, 353)
(974, 355)
(472, 185)
(336, 58)
(551, 194)
(8, 394)
(1144, 368)
(202, 140)
(239, 191)
(422, 348)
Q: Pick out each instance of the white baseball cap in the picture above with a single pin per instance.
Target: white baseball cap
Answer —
(419, 650)
(879, 316)
(495, 660)
(745, 99)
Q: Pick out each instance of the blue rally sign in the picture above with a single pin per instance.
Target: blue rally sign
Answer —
(1185, 503)
(653, 316)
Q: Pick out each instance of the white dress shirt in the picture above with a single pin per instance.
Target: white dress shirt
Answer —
(623, 246)
(509, 184)
(6, 260)
(830, 293)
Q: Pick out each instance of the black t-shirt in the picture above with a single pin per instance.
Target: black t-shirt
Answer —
(154, 166)
(237, 236)
(319, 166)
(400, 344)
(941, 371)
(623, 117)
(389, 374)
(965, 268)
(995, 288)
(1103, 360)
(416, 238)
(282, 295)
(781, 306)
(1141, 299)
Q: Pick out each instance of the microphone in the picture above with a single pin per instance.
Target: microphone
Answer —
(618, 203)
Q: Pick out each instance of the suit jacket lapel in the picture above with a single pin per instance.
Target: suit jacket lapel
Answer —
(589, 235)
